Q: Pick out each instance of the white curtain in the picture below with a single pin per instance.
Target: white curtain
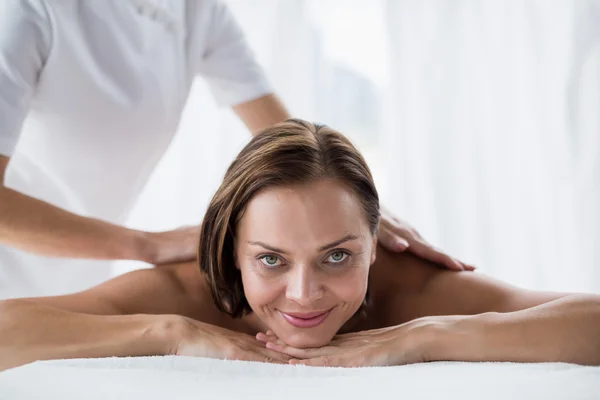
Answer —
(480, 119)
(494, 134)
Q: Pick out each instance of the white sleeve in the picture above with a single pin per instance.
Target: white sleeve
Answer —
(227, 62)
(24, 44)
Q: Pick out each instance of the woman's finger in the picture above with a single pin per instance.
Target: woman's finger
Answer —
(262, 337)
(250, 346)
(265, 338)
(272, 336)
(274, 356)
(324, 361)
(271, 357)
(313, 362)
(300, 353)
(345, 360)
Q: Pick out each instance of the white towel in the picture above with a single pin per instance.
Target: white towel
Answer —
(171, 378)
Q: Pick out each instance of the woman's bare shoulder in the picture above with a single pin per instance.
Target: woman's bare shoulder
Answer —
(402, 287)
(399, 273)
(405, 287)
(408, 287)
(167, 289)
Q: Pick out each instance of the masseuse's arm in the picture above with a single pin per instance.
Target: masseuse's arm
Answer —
(509, 323)
(128, 316)
(261, 113)
(38, 227)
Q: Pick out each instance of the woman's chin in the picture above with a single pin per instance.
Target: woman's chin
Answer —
(317, 336)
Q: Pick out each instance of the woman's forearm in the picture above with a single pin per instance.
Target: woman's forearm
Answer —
(30, 331)
(563, 330)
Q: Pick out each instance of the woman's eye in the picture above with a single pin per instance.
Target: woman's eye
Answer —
(270, 261)
(337, 257)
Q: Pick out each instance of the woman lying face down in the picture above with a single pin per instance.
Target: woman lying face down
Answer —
(290, 271)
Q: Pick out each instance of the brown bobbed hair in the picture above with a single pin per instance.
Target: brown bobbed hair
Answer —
(289, 153)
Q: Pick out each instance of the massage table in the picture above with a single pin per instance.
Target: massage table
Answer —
(174, 378)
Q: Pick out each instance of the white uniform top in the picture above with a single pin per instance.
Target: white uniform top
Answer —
(91, 93)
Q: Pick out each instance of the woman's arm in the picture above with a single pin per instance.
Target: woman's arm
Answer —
(468, 316)
(163, 310)
(130, 315)
(31, 331)
(562, 330)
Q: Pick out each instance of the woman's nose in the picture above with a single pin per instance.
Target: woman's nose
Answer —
(304, 285)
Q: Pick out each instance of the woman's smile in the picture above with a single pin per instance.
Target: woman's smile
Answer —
(306, 320)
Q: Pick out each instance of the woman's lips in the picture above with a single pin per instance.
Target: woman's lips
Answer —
(305, 320)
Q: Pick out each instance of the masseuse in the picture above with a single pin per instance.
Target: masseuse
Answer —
(91, 93)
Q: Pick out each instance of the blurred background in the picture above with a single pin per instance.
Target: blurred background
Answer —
(480, 121)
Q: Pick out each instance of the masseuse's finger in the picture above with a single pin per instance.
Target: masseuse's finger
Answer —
(398, 239)
(397, 235)
(426, 251)
(391, 240)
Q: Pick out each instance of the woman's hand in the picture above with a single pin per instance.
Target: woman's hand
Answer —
(198, 339)
(397, 345)
(397, 235)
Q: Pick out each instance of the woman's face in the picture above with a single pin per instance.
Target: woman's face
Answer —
(304, 253)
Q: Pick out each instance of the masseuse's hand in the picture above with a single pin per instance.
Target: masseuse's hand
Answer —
(198, 339)
(174, 246)
(397, 235)
(395, 345)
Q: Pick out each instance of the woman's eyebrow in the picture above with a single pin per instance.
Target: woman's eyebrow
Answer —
(322, 248)
(266, 246)
(338, 242)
